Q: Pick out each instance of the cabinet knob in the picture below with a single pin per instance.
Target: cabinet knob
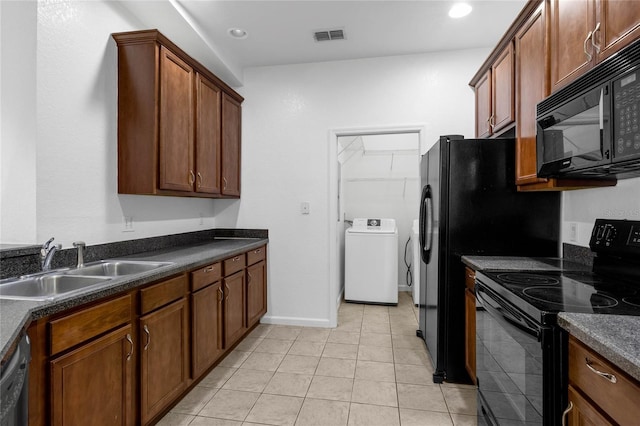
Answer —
(593, 37)
(584, 46)
(146, 330)
(566, 413)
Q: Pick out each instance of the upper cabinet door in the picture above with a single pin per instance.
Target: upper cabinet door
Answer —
(502, 90)
(483, 106)
(176, 123)
(531, 88)
(231, 126)
(619, 25)
(571, 27)
(208, 105)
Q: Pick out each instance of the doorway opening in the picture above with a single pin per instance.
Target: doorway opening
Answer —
(375, 173)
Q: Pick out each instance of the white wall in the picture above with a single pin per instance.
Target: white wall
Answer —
(289, 155)
(18, 122)
(584, 206)
(70, 147)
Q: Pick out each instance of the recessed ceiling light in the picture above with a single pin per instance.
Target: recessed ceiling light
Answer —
(458, 10)
(238, 33)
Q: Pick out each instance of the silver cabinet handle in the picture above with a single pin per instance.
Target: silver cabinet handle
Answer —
(235, 259)
(258, 251)
(593, 37)
(584, 46)
(220, 294)
(146, 330)
(199, 180)
(209, 269)
(249, 278)
(566, 413)
(192, 177)
(226, 287)
(610, 377)
(224, 180)
(128, 337)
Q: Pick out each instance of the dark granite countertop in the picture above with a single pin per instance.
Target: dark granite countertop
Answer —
(16, 315)
(508, 263)
(615, 337)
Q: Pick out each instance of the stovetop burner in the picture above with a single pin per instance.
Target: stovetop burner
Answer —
(556, 295)
(527, 278)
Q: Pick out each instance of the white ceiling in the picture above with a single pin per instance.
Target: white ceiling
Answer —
(281, 32)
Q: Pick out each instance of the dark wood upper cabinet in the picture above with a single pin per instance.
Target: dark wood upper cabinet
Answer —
(231, 123)
(583, 33)
(483, 106)
(502, 94)
(208, 108)
(178, 124)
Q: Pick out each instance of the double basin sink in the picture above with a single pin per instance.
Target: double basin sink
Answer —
(62, 282)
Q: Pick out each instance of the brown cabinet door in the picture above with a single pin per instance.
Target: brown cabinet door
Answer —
(582, 413)
(619, 25)
(483, 106)
(208, 105)
(163, 357)
(531, 88)
(470, 334)
(231, 122)
(234, 308)
(502, 104)
(206, 328)
(176, 123)
(571, 26)
(256, 292)
(93, 384)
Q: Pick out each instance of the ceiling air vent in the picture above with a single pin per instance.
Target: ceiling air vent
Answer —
(328, 35)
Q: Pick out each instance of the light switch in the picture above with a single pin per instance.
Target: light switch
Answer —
(304, 207)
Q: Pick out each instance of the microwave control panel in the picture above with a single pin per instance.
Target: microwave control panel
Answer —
(626, 113)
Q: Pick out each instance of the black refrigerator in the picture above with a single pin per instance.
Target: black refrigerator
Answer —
(470, 206)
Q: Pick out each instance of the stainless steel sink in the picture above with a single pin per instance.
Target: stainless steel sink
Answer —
(45, 287)
(116, 268)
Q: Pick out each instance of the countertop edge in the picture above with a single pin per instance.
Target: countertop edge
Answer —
(611, 336)
(25, 312)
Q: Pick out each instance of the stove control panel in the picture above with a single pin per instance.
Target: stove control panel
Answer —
(616, 237)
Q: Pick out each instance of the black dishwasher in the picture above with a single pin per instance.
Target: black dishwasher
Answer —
(14, 386)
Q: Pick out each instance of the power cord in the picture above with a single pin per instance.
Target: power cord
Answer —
(409, 276)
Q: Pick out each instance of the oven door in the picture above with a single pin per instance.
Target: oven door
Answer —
(509, 362)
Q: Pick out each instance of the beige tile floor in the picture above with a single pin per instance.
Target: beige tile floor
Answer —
(370, 370)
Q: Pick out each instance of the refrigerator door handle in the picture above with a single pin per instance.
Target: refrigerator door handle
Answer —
(426, 218)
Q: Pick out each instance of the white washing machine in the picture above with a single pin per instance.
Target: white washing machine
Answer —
(371, 261)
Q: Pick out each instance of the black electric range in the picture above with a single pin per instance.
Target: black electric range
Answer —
(521, 352)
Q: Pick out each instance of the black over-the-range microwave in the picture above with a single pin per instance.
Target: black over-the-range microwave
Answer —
(591, 127)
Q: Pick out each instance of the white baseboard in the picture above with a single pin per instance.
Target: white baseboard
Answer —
(304, 322)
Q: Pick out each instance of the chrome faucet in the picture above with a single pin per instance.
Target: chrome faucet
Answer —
(81, 246)
(46, 254)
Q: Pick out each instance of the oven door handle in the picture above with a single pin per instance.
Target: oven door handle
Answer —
(505, 312)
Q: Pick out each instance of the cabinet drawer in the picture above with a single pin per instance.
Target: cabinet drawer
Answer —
(88, 323)
(205, 276)
(163, 293)
(256, 255)
(470, 278)
(234, 264)
(619, 400)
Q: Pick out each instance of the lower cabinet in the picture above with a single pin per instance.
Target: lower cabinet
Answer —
(206, 327)
(93, 383)
(256, 292)
(234, 308)
(126, 360)
(599, 392)
(163, 357)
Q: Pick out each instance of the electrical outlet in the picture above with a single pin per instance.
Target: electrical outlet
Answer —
(573, 231)
(127, 225)
(304, 207)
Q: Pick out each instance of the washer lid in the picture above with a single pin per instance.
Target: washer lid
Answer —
(373, 226)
